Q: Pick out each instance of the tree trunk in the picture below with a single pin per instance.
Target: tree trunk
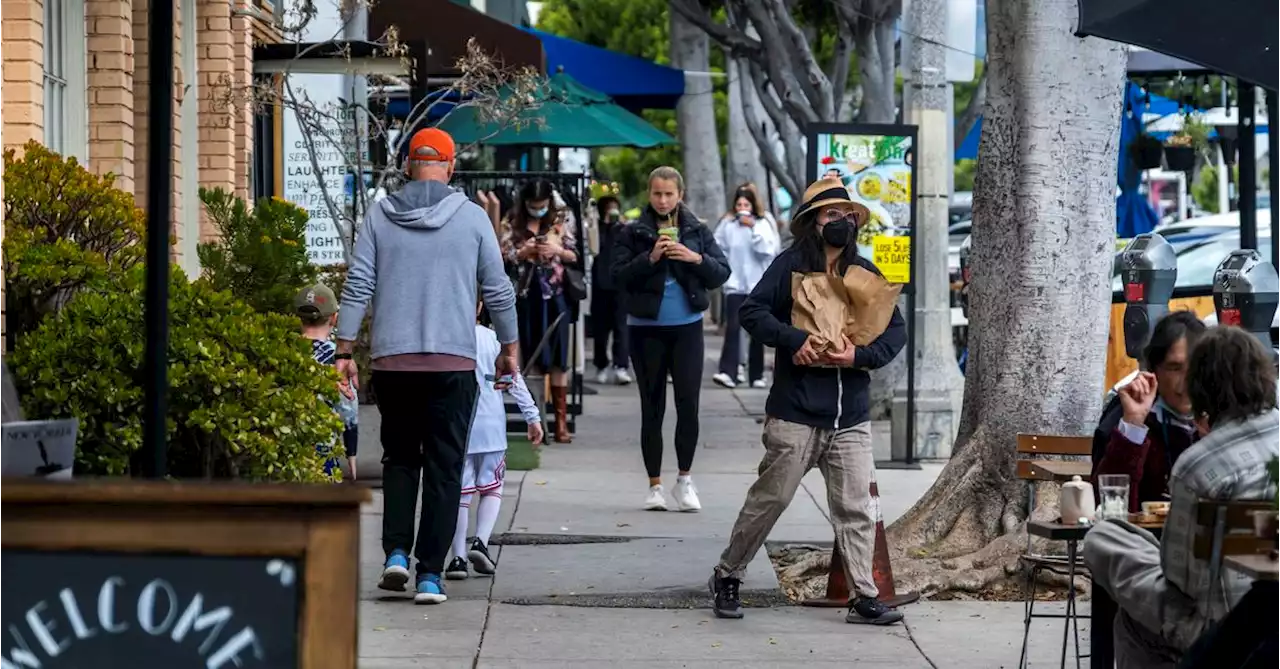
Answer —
(744, 163)
(695, 115)
(1044, 225)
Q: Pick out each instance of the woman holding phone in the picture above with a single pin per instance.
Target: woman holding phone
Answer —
(665, 263)
(749, 238)
(537, 245)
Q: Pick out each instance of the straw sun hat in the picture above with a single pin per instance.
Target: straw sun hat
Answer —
(830, 191)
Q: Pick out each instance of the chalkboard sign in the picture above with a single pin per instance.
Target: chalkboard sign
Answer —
(105, 610)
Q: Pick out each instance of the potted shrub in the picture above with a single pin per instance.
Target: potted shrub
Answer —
(1145, 152)
(1181, 147)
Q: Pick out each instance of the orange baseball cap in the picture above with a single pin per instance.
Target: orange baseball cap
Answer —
(431, 145)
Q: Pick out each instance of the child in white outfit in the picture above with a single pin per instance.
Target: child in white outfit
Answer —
(486, 460)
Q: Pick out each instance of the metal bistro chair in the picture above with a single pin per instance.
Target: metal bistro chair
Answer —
(1035, 470)
(1226, 528)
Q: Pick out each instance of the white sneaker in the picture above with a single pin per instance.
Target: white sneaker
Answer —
(655, 501)
(723, 379)
(686, 496)
(759, 383)
(621, 376)
(602, 377)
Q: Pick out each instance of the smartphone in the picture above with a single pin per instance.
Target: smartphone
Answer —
(505, 381)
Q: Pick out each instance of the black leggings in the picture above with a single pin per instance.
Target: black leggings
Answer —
(656, 352)
(731, 355)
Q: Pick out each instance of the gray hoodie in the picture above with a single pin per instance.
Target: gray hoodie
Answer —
(419, 256)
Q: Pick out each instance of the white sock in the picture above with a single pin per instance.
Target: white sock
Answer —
(460, 534)
(683, 478)
(487, 514)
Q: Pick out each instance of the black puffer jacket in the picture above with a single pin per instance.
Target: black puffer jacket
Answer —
(644, 281)
(823, 397)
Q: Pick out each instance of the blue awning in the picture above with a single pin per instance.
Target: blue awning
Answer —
(633, 83)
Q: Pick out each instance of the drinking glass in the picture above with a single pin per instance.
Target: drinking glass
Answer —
(1114, 489)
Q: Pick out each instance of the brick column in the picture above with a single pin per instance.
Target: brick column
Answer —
(216, 68)
(141, 98)
(23, 71)
(110, 89)
(242, 56)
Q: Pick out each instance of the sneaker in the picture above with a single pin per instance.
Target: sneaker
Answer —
(686, 496)
(622, 376)
(655, 501)
(457, 570)
(724, 380)
(759, 384)
(395, 573)
(479, 556)
(869, 611)
(725, 591)
(602, 377)
(430, 590)
(742, 375)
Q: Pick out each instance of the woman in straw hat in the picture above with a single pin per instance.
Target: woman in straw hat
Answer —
(817, 411)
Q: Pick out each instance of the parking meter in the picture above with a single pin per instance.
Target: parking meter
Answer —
(964, 275)
(1148, 270)
(1245, 293)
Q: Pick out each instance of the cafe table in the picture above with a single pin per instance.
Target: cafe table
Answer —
(1258, 567)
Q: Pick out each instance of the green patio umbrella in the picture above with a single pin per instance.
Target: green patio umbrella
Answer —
(570, 115)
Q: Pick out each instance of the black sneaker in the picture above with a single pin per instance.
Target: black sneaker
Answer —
(480, 559)
(457, 570)
(725, 591)
(869, 611)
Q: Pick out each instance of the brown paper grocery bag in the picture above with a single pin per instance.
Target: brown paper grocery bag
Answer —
(819, 308)
(871, 300)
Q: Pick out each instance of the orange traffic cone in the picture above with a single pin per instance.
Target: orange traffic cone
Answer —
(881, 571)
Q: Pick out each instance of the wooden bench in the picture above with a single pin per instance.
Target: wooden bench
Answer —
(1054, 470)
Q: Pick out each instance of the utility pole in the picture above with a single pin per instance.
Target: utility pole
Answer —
(939, 387)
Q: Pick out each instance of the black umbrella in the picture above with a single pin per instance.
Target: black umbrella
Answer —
(1233, 37)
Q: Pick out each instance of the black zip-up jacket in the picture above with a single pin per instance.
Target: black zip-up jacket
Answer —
(643, 282)
(602, 268)
(821, 397)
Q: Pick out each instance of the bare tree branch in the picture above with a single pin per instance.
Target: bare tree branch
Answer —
(840, 64)
(816, 85)
(767, 149)
(728, 36)
(778, 60)
(791, 146)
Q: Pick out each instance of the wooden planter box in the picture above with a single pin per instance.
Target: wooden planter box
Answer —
(126, 573)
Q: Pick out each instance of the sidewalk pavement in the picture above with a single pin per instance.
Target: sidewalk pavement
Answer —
(586, 578)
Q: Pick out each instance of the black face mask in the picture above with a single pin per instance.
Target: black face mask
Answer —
(837, 233)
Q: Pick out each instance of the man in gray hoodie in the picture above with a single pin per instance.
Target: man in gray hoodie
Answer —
(419, 257)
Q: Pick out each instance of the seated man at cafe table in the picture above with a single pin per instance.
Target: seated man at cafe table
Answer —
(1162, 590)
(1148, 426)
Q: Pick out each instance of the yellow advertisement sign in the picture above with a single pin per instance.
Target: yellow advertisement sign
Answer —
(892, 256)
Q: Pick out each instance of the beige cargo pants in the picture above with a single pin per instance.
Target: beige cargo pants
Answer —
(790, 451)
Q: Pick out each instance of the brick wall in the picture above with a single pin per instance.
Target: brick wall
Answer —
(3, 346)
(216, 68)
(141, 100)
(23, 71)
(111, 89)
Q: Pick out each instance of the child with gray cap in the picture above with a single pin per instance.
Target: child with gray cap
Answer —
(317, 308)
